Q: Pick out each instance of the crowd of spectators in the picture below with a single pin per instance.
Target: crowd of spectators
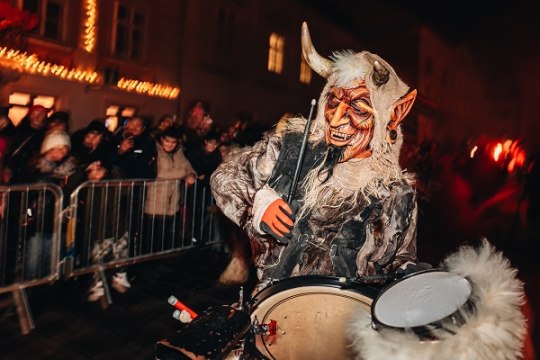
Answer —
(43, 149)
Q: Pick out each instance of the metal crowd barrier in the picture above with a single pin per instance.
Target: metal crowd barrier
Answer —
(108, 224)
(122, 222)
(30, 237)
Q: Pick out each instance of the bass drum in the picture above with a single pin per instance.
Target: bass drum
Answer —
(309, 316)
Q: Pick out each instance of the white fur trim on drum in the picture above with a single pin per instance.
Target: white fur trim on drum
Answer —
(263, 198)
(494, 330)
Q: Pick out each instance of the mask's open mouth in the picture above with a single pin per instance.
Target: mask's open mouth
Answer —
(339, 136)
(350, 135)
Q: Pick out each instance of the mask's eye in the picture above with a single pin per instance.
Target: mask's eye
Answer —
(361, 107)
(333, 101)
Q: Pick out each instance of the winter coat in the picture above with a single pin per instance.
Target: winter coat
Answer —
(163, 195)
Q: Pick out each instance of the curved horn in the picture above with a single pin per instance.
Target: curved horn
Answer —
(319, 64)
(380, 74)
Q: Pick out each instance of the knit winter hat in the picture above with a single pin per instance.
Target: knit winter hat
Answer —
(54, 140)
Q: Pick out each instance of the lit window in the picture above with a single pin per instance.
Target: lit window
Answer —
(129, 32)
(45, 101)
(128, 112)
(305, 71)
(21, 102)
(18, 98)
(113, 114)
(51, 15)
(275, 53)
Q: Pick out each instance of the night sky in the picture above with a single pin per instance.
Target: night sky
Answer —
(497, 31)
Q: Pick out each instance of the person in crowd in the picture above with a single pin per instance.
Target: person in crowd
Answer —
(26, 143)
(53, 165)
(57, 121)
(104, 240)
(205, 157)
(136, 150)
(164, 122)
(164, 196)
(92, 144)
(7, 132)
(197, 124)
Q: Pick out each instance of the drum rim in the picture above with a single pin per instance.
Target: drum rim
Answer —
(337, 282)
(419, 330)
(262, 304)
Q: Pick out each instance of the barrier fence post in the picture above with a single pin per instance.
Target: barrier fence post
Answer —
(26, 320)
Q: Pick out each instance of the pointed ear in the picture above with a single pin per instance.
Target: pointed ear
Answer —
(401, 109)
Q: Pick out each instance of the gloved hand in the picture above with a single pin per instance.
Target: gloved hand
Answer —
(272, 215)
(411, 268)
(278, 221)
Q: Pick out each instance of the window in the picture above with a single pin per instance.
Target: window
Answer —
(20, 103)
(305, 71)
(275, 53)
(51, 14)
(114, 113)
(129, 32)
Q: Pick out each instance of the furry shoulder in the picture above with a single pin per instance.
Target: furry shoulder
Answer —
(290, 123)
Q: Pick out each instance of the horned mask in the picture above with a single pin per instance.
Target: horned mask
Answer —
(362, 104)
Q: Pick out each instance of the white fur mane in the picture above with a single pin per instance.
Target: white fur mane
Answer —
(494, 331)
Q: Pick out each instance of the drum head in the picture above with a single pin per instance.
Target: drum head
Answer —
(311, 320)
(420, 299)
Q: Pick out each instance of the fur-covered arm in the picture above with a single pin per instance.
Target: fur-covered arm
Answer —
(235, 182)
(391, 238)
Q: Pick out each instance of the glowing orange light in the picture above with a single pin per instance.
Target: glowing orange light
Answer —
(31, 64)
(473, 151)
(148, 88)
(497, 152)
(89, 35)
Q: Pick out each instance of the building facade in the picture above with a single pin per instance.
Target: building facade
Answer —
(240, 58)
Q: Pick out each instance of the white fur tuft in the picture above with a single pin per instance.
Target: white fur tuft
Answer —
(494, 331)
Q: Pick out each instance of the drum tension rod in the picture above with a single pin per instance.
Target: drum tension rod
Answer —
(267, 329)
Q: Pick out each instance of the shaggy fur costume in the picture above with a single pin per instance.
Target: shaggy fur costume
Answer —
(361, 220)
(494, 331)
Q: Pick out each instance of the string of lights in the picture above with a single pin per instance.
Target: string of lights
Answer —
(89, 37)
(30, 63)
(145, 87)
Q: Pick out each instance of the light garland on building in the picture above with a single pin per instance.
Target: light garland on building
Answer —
(30, 63)
(148, 88)
(90, 25)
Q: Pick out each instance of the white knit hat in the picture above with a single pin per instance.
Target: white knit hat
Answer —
(55, 139)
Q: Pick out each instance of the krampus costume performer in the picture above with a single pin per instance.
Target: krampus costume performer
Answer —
(352, 215)
(355, 207)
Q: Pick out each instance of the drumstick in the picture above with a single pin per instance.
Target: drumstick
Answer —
(180, 306)
(303, 145)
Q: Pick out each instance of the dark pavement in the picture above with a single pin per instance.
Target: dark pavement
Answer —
(69, 327)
